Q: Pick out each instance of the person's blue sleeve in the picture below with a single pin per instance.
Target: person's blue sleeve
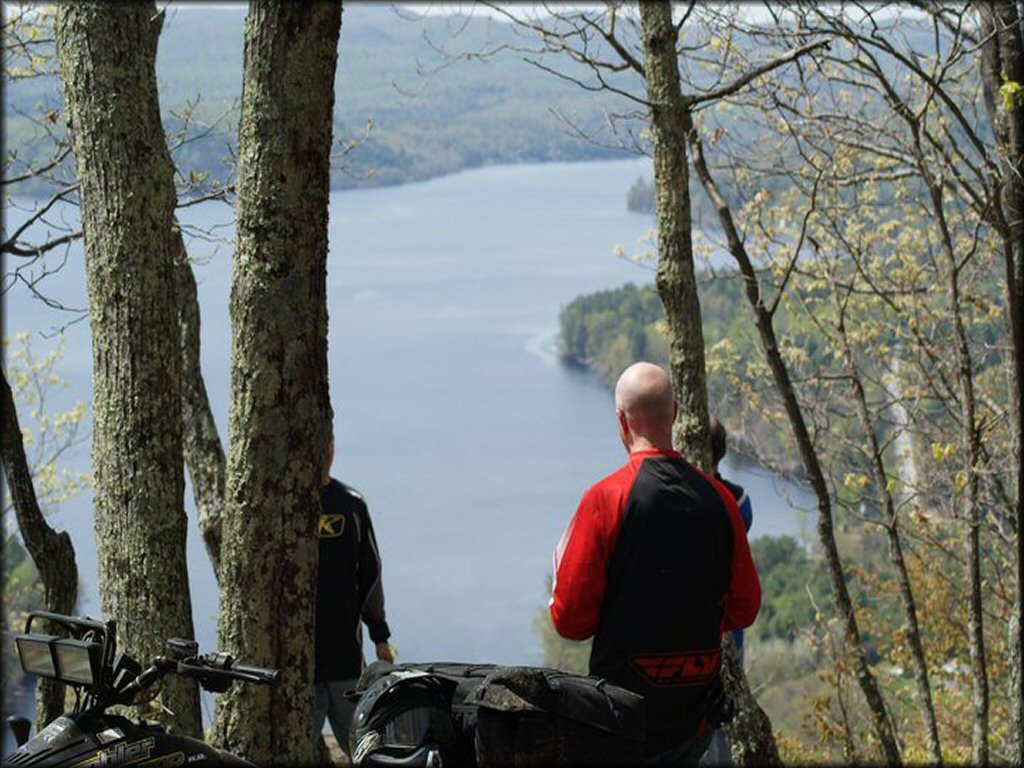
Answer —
(737, 639)
(747, 513)
(746, 510)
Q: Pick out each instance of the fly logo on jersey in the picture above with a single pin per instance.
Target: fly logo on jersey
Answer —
(331, 526)
(673, 670)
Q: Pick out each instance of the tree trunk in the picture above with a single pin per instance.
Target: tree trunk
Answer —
(52, 552)
(751, 739)
(1002, 55)
(892, 530)
(880, 721)
(971, 453)
(675, 278)
(280, 418)
(204, 454)
(107, 58)
(1016, 717)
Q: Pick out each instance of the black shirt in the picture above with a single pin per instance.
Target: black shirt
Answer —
(349, 584)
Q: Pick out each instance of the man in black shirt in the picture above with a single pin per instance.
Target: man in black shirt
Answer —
(349, 589)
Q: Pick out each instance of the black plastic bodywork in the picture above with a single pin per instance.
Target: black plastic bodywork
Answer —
(110, 740)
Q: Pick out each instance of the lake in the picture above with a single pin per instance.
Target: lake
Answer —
(454, 416)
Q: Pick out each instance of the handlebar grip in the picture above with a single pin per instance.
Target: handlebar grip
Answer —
(257, 674)
(145, 679)
(226, 665)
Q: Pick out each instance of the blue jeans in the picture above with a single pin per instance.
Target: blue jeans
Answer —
(329, 703)
(718, 750)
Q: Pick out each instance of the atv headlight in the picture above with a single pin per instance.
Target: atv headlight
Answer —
(77, 660)
(35, 654)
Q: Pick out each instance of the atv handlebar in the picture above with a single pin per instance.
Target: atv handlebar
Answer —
(91, 645)
(214, 671)
(223, 665)
(257, 674)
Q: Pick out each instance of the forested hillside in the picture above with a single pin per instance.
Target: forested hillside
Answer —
(411, 117)
(409, 105)
(607, 331)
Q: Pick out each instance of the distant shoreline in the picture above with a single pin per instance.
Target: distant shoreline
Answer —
(43, 190)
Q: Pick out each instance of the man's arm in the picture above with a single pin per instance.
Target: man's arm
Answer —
(580, 562)
(743, 598)
(371, 589)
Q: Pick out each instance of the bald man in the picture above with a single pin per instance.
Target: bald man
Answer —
(654, 566)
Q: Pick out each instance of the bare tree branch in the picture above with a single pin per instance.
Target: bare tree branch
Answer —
(749, 76)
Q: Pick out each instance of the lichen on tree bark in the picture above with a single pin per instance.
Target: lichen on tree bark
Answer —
(676, 280)
(107, 59)
(280, 416)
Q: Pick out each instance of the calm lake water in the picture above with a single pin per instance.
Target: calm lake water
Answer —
(469, 438)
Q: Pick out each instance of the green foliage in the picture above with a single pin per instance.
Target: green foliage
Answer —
(48, 434)
(1011, 92)
(607, 331)
(789, 580)
(23, 592)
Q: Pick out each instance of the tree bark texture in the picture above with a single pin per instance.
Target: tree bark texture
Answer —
(676, 281)
(750, 735)
(1002, 55)
(204, 454)
(52, 552)
(107, 58)
(280, 417)
(881, 723)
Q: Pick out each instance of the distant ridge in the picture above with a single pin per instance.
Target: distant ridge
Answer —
(468, 115)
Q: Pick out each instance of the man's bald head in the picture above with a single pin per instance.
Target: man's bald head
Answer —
(644, 396)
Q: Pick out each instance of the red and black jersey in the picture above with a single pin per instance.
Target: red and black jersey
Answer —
(655, 565)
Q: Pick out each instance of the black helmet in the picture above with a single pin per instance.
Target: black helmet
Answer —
(405, 715)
